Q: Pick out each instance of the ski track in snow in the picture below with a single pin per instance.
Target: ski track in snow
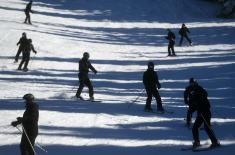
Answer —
(121, 37)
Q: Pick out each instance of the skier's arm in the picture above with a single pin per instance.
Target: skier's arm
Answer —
(92, 68)
(157, 81)
(32, 47)
(19, 42)
(187, 30)
(186, 96)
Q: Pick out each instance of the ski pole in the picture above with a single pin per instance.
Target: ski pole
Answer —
(37, 144)
(136, 98)
(212, 132)
(27, 138)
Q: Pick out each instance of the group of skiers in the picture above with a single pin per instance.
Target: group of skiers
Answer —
(194, 95)
(25, 47)
(183, 32)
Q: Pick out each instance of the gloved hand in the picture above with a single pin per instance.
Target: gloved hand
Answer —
(159, 86)
(19, 119)
(14, 123)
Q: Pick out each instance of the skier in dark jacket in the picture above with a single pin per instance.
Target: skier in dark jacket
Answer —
(183, 33)
(84, 66)
(151, 84)
(171, 38)
(23, 43)
(29, 123)
(26, 55)
(27, 12)
(188, 101)
(202, 106)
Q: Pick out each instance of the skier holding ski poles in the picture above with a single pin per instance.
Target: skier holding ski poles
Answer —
(29, 123)
(202, 106)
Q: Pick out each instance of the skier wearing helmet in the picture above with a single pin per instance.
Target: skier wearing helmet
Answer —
(29, 123)
(84, 66)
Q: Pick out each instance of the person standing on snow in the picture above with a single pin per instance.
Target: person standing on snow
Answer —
(188, 101)
(84, 66)
(171, 38)
(27, 11)
(23, 43)
(29, 123)
(151, 84)
(183, 33)
(202, 106)
(26, 55)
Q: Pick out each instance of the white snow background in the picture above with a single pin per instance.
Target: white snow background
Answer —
(121, 37)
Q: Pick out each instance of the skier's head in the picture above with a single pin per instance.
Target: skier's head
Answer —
(86, 55)
(23, 34)
(192, 81)
(28, 97)
(183, 25)
(168, 30)
(150, 65)
(30, 1)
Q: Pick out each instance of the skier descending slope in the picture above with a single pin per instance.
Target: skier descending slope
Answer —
(27, 12)
(183, 33)
(23, 43)
(171, 38)
(84, 66)
(199, 98)
(29, 123)
(26, 55)
(151, 83)
(188, 100)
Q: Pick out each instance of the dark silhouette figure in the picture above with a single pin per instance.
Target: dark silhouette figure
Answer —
(151, 84)
(171, 38)
(23, 43)
(189, 101)
(202, 106)
(27, 12)
(84, 66)
(29, 123)
(26, 55)
(183, 34)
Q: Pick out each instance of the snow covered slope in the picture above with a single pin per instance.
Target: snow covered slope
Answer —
(121, 37)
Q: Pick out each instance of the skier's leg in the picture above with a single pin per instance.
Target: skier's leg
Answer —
(208, 129)
(29, 19)
(23, 145)
(189, 40)
(158, 100)
(90, 87)
(27, 58)
(18, 54)
(169, 50)
(81, 86)
(32, 139)
(198, 122)
(172, 48)
(148, 100)
(181, 40)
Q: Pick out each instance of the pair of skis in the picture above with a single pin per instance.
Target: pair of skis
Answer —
(200, 148)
